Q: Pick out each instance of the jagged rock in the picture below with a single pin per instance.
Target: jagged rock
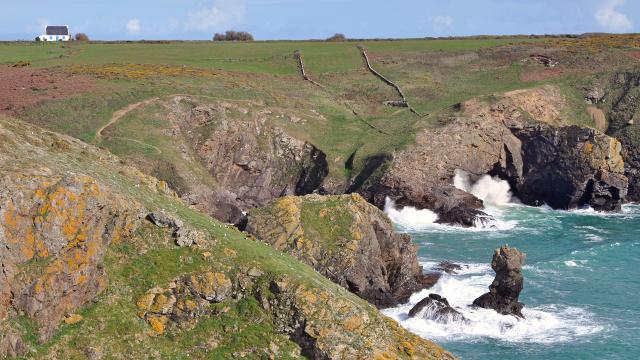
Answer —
(164, 220)
(623, 115)
(184, 236)
(570, 167)
(346, 239)
(187, 298)
(594, 95)
(12, 345)
(69, 218)
(506, 287)
(545, 60)
(520, 138)
(422, 175)
(251, 159)
(435, 307)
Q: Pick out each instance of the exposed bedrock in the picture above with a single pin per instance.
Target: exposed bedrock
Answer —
(65, 223)
(624, 123)
(422, 175)
(506, 287)
(570, 167)
(346, 239)
(565, 166)
(251, 159)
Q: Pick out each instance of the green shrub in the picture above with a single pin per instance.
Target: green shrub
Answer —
(82, 37)
(337, 37)
(233, 36)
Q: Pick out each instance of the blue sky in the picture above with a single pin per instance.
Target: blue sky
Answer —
(305, 19)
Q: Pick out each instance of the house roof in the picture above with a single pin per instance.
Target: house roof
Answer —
(57, 30)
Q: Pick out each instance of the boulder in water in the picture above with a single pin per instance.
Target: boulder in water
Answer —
(448, 267)
(435, 307)
(506, 287)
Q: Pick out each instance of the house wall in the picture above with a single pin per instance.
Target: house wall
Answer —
(55, 37)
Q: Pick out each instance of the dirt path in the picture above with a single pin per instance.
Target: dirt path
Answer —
(120, 114)
(598, 117)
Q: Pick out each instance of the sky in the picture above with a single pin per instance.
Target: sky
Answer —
(315, 19)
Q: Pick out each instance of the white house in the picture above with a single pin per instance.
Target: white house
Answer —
(55, 33)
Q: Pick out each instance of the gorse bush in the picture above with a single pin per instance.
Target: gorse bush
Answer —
(337, 37)
(82, 37)
(233, 36)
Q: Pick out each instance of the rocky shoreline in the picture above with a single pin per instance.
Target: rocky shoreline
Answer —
(276, 188)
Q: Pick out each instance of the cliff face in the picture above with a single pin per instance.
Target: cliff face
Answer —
(624, 118)
(346, 239)
(88, 272)
(251, 160)
(422, 175)
(570, 167)
(518, 137)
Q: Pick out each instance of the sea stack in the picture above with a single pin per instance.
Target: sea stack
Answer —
(504, 290)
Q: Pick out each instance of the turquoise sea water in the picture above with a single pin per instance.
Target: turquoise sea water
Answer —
(581, 290)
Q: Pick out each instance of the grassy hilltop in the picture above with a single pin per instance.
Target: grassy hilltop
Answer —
(434, 74)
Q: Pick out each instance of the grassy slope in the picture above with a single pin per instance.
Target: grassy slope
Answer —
(150, 259)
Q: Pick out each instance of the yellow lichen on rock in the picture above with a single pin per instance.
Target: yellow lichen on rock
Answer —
(158, 324)
(73, 319)
(353, 323)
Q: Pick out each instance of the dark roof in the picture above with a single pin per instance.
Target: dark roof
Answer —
(57, 30)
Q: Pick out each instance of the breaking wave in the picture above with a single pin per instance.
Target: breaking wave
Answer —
(491, 190)
(409, 218)
(542, 324)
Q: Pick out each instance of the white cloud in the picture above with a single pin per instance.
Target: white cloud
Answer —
(611, 19)
(221, 15)
(133, 26)
(441, 23)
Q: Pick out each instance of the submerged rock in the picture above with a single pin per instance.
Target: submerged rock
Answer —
(346, 239)
(506, 287)
(448, 267)
(435, 307)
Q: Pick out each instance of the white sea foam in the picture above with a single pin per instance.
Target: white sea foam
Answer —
(491, 190)
(409, 217)
(543, 324)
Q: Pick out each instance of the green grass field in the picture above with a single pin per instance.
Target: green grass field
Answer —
(435, 75)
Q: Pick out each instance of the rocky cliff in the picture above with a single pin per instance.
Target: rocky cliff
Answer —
(519, 137)
(569, 167)
(346, 239)
(251, 160)
(87, 272)
(621, 100)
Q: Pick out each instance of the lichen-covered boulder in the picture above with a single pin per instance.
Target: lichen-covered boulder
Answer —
(346, 239)
(65, 223)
